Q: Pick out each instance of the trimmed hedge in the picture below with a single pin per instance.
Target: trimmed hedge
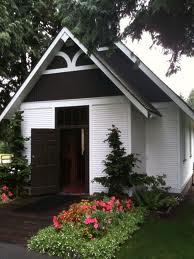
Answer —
(69, 242)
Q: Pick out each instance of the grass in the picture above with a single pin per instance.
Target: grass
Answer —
(164, 238)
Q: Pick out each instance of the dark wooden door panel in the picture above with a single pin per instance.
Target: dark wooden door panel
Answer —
(45, 161)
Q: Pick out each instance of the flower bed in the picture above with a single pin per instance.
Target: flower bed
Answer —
(89, 229)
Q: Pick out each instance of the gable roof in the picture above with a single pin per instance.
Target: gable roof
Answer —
(119, 75)
(158, 82)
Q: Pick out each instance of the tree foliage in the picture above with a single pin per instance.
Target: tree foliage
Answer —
(190, 99)
(28, 26)
(170, 22)
(17, 172)
(26, 29)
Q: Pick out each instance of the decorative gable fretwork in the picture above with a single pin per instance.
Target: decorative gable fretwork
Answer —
(63, 63)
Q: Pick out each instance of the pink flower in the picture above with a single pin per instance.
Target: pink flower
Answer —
(113, 198)
(87, 220)
(4, 197)
(121, 208)
(57, 225)
(10, 194)
(96, 226)
(94, 207)
(94, 220)
(128, 203)
(118, 203)
(109, 221)
(84, 207)
(5, 188)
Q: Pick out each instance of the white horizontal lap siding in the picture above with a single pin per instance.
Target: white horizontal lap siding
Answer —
(37, 118)
(103, 117)
(162, 147)
(186, 161)
(138, 132)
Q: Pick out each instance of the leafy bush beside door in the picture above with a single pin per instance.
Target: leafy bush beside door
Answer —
(14, 174)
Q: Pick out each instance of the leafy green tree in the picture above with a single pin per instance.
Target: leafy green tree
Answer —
(190, 99)
(16, 173)
(97, 22)
(26, 29)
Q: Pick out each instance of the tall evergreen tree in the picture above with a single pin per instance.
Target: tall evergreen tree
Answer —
(26, 29)
(119, 173)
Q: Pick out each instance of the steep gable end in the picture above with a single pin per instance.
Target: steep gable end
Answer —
(71, 75)
(71, 65)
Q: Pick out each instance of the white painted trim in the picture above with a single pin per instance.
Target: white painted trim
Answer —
(66, 57)
(64, 37)
(156, 80)
(103, 49)
(34, 75)
(110, 75)
(129, 129)
(76, 56)
(67, 69)
(74, 102)
(90, 149)
(71, 65)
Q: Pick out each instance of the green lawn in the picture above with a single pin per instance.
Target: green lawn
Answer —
(167, 238)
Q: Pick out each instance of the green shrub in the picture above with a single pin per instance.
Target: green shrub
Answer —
(69, 241)
(119, 166)
(154, 195)
(17, 172)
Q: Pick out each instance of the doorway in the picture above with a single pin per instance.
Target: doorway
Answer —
(73, 126)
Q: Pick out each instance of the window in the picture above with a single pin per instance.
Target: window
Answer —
(72, 117)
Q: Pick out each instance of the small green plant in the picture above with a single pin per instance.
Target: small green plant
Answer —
(119, 166)
(154, 195)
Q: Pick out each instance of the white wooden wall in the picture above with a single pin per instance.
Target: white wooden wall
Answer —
(138, 139)
(104, 112)
(102, 118)
(162, 144)
(186, 155)
(37, 118)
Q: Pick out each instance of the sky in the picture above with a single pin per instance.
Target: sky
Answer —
(181, 82)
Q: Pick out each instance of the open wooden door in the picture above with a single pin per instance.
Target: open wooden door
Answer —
(45, 161)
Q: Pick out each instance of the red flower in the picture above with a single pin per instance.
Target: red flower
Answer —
(10, 194)
(94, 207)
(113, 198)
(4, 197)
(57, 225)
(128, 203)
(84, 207)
